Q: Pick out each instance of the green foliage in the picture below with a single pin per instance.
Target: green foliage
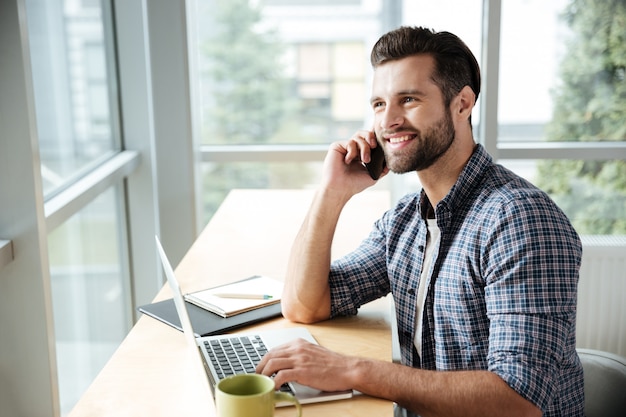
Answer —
(590, 105)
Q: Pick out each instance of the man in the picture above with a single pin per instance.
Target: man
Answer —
(483, 266)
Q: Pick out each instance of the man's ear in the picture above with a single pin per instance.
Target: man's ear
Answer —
(463, 103)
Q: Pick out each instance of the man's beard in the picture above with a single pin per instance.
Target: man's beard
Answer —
(430, 146)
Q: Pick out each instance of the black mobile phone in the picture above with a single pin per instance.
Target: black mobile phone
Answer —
(377, 162)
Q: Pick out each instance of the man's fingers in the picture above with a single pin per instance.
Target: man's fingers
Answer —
(360, 145)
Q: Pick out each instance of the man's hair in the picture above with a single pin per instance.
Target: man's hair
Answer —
(455, 64)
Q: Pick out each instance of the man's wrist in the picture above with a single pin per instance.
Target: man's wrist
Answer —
(333, 196)
(359, 373)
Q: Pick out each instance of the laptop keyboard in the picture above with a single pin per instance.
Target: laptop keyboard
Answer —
(237, 355)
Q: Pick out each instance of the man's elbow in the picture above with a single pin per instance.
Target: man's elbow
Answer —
(298, 313)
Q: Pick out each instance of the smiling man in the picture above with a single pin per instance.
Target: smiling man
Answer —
(482, 265)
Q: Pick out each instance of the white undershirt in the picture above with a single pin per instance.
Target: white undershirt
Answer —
(432, 241)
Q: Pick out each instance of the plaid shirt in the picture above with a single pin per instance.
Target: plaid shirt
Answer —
(501, 290)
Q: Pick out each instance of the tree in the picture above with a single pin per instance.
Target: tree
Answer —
(246, 101)
(248, 89)
(590, 105)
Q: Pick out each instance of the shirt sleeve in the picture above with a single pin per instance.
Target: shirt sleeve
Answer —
(531, 263)
(360, 276)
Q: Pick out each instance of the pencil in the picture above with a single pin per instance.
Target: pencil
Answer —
(242, 295)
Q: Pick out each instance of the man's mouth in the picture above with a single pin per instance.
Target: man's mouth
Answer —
(399, 139)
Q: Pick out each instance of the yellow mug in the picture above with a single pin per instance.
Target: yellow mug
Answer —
(250, 395)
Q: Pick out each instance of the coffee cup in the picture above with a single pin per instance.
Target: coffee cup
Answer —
(250, 395)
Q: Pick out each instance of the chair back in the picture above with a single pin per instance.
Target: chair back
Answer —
(605, 383)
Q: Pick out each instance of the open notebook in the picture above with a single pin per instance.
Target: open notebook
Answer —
(238, 297)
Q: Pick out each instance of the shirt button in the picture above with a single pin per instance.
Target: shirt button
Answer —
(411, 291)
(420, 248)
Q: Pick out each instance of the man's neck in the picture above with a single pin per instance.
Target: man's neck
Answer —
(438, 179)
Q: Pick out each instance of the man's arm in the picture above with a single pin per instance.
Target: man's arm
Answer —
(429, 393)
(306, 297)
(442, 393)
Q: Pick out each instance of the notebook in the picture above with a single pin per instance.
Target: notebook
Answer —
(224, 355)
(203, 321)
(239, 297)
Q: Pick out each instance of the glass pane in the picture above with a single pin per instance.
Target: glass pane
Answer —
(72, 83)
(529, 66)
(562, 80)
(219, 178)
(270, 75)
(90, 295)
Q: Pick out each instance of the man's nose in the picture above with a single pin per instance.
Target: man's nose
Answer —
(391, 118)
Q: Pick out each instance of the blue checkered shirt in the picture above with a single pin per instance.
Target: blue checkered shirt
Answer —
(501, 289)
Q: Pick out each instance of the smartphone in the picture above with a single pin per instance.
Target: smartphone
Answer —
(377, 162)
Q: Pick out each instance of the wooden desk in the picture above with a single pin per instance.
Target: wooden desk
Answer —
(154, 373)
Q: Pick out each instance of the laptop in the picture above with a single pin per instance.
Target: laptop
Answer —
(225, 355)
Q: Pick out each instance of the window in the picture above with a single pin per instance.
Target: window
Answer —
(76, 114)
(71, 78)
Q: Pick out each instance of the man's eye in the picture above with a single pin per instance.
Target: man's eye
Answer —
(378, 104)
(408, 99)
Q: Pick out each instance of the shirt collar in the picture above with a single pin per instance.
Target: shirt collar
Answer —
(468, 180)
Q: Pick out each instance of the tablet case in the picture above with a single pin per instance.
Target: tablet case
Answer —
(204, 322)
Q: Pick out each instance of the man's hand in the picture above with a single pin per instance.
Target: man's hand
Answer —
(343, 168)
(308, 364)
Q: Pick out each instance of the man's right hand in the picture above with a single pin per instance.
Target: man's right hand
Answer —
(344, 172)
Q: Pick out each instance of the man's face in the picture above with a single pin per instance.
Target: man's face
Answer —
(410, 119)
